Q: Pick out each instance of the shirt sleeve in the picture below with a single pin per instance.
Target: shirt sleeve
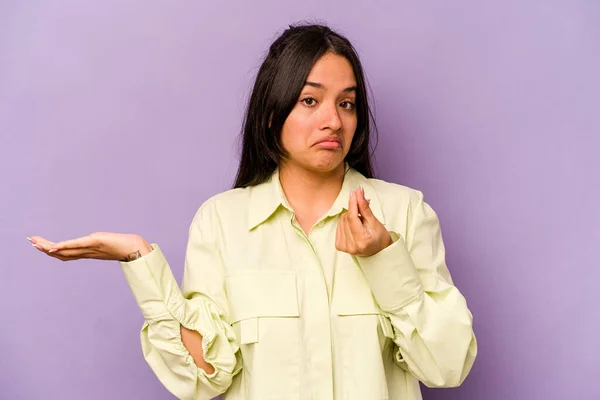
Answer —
(201, 305)
(432, 325)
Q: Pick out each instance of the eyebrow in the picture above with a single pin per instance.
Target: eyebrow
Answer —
(321, 86)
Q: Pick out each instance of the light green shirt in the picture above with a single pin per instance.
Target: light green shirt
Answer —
(286, 316)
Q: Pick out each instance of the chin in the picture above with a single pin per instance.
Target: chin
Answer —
(320, 163)
(328, 164)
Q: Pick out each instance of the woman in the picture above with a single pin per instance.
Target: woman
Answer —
(310, 279)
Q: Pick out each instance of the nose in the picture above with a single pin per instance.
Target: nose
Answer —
(330, 118)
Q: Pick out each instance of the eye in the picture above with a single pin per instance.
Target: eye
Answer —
(309, 101)
(348, 105)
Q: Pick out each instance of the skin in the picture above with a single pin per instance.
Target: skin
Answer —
(311, 178)
(325, 109)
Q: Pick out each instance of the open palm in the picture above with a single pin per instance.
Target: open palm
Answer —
(99, 246)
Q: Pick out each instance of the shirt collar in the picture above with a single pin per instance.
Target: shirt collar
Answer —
(267, 197)
(353, 180)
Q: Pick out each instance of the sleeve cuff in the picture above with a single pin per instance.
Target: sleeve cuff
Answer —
(165, 309)
(392, 276)
(153, 285)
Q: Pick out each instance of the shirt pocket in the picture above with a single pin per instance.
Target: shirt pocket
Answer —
(264, 314)
(365, 335)
(353, 297)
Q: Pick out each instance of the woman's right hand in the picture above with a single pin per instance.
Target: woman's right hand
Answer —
(99, 246)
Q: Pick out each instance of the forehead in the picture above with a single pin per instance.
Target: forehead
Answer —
(332, 71)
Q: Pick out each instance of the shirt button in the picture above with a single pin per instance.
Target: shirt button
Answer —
(320, 224)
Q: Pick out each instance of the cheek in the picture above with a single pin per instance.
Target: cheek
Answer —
(296, 130)
(349, 130)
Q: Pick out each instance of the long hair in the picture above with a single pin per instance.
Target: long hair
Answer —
(278, 85)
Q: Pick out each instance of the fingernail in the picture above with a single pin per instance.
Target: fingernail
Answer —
(351, 193)
(30, 239)
(51, 250)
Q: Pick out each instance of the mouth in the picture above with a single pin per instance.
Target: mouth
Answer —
(329, 143)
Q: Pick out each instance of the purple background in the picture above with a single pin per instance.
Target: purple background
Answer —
(124, 115)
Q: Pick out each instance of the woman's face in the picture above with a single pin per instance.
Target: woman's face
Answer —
(318, 132)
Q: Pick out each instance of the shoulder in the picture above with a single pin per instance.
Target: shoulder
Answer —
(402, 205)
(229, 202)
(394, 193)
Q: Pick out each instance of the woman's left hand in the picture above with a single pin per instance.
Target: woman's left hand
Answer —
(359, 232)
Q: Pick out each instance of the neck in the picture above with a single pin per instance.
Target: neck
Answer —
(308, 191)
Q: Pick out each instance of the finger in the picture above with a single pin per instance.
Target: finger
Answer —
(63, 258)
(82, 242)
(363, 205)
(42, 244)
(77, 253)
(355, 223)
(352, 205)
(35, 239)
(338, 239)
(60, 256)
(349, 237)
(340, 233)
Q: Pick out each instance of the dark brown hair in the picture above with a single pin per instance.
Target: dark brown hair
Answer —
(277, 88)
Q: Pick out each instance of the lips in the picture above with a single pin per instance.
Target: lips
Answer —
(329, 142)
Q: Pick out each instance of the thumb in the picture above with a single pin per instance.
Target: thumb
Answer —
(363, 205)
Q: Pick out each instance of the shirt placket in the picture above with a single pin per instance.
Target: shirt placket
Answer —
(317, 321)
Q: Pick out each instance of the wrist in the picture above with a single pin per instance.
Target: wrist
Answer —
(387, 241)
(139, 248)
(144, 247)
